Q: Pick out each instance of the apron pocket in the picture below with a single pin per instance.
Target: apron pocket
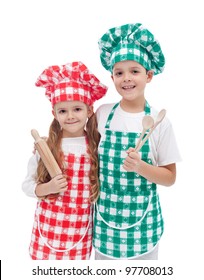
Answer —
(62, 228)
(123, 210)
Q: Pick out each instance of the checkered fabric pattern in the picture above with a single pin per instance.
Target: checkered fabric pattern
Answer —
(78, 192)
(61, 228)
(128, 220)
(65, 221)
(72, 81)
(122, 209)
(131, 42)
(131, 242)
(112, 153)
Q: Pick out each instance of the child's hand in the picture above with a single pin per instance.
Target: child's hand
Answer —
(132, 161)
(57, 184)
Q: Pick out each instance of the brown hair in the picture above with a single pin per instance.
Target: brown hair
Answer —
(54, 143)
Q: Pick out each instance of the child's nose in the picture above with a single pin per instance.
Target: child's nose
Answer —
(127, 77)
(70, 115)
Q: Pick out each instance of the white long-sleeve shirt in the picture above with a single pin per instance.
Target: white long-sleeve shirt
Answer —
(69, 145)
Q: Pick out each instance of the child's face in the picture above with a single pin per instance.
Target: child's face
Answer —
(72, 117)
(130, 79)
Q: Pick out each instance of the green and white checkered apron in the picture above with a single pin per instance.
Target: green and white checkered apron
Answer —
(128, 220)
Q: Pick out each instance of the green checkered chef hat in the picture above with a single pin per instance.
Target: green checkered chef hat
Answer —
(131, 42)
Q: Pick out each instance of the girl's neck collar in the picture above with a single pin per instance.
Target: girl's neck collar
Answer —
(74, 136)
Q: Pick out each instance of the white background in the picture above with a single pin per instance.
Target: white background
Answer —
(39, 33)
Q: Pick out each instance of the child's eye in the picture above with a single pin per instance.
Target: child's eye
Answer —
(118, 73)
(77, 109)
(135, 71)
(62, 111)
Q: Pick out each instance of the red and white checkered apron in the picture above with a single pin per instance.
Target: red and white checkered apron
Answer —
(63, 227)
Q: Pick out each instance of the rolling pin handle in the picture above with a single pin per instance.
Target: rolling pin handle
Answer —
(35, 134)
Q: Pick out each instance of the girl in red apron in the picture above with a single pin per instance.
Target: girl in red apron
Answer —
(63, 224)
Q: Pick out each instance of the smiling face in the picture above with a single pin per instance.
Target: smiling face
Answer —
(130, 79)
(72, 117)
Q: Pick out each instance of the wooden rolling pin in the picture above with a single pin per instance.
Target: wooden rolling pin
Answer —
(47, 158)
(46, 155)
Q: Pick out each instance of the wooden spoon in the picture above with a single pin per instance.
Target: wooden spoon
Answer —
(159, 119)
(147, 123)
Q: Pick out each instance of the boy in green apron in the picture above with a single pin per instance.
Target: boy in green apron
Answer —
(128, 222)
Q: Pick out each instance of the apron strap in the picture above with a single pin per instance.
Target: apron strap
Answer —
(147, 108)
(111, 115)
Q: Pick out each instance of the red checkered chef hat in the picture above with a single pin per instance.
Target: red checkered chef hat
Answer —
(72, 81)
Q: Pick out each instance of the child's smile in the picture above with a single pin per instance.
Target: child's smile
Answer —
(72, 117)
(130, 79)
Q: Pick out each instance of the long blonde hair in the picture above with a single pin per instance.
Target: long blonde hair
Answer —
(54, 143)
